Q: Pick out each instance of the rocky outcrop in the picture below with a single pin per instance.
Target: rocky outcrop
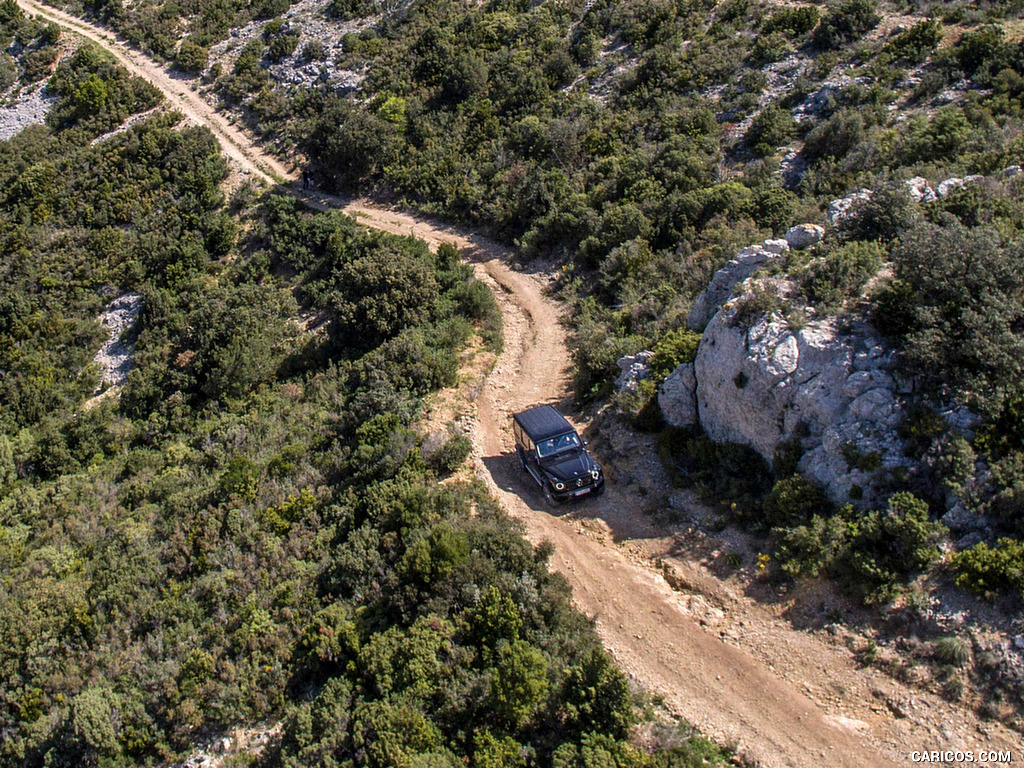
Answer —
(769, 384)
(746, 263)
(677, 397)
(804, 236)
(634, 369)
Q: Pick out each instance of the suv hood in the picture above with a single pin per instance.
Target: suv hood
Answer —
(569, 466)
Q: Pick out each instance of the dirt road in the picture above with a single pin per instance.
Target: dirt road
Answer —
(607, 548)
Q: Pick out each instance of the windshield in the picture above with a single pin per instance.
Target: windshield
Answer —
(567, 442)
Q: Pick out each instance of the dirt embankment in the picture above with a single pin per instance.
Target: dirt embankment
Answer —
(721, 660)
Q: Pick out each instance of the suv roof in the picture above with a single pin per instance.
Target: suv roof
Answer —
(542, 422)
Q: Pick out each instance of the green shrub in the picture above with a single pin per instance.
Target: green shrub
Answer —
(914, 45)
(281, 46)
(768, 48)
(674, 349)
(845, 22)
(964, 294)
(871, 554)
(835, 137)
(793, 22)
(989, 571)
(191, 57)
(771, 128)
(451, 455)
(344, 10)
(811, 550)
(732, 475)
(884, 548)
(314, 51)
(793, 501)
(841, 274)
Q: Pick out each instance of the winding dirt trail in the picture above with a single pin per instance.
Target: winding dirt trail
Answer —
(731, 692)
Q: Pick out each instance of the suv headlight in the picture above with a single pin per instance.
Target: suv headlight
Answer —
(559, 486)
(596, 474)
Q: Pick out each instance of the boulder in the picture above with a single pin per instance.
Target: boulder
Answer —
(949, 186)
(778, 247)
(919, 189)
(769, 384)
(804, 236)
(746, 263)
(677, 397)
(840, 209)
(634, 369)
(1010, 171)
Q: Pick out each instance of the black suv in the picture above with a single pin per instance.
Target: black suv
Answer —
(551, 451)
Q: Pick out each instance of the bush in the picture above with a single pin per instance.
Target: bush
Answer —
(793, 501)
(835, 137)
(811, 550)
(451, 455)
(732, 475)
(772, 127)
(964, 296)
(988, 571)
(871, 554)
(191, 57)
(913, 45)
(344, 10)
(846, 22)
(884, 548)
(791, 21)
(841, 273)
(281, 46)
(674, 349)
(314, 51)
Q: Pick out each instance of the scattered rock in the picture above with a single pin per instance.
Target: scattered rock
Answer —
(804, 236)
(634, 370)
(308, 19)
(30, 108)
(746, 263)
(115, 356)
(677, 397)
(823, 99)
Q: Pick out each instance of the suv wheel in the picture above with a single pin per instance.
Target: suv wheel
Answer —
(522, 459)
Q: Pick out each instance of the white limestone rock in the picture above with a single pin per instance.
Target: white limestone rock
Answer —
(746, 263)
(949, 186)
(677, 397)
(919, 189)
(804, 236)
(840, 209)
(634, 369)
(768, 384)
